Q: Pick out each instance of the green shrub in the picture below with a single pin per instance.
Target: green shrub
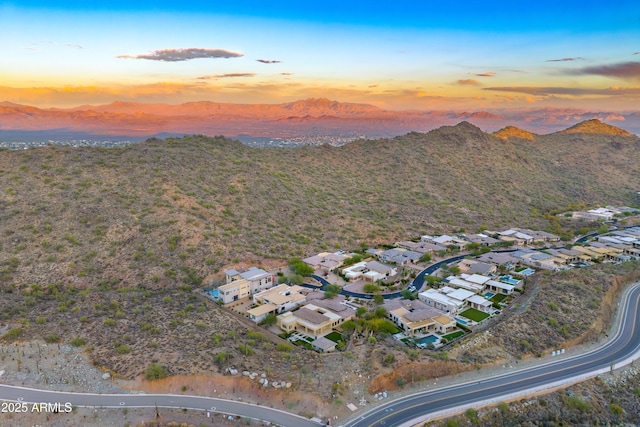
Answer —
(616, 409)
(78, 342)
(13, 334)
(52, 339)
(156, 372)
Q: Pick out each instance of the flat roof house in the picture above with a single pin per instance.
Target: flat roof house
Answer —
(276, 300)
(480, 303)
(325, 261)
(311, 320)
(417, 318)
(399, 256)
(446, 299)
(499, 287)
(240, 285)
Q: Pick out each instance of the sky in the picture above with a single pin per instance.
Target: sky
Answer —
(400, 55)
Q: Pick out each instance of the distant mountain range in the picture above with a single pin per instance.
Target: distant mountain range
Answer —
(309, 118)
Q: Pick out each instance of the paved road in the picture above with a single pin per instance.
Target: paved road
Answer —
(205, 404)
(419, 407)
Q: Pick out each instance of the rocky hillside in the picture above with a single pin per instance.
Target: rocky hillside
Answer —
(595, 126)
(514, 132)
(168, 213)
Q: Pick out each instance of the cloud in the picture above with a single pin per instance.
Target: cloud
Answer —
(269, 61)
(77, 46)
(286, 74)
(636, 53)
(224, 76)
(534, 90)
(468, 82)
(577, 58)
(175, 55)
(487, 74)
(372, 86)
(623, 70)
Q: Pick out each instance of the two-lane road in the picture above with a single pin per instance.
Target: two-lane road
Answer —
(421, 406)
(205, 404)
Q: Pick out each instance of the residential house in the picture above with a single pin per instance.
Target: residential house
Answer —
(505, 259)
(481, 239)
(480, 303)
(515, 237)
(311, 320)
(445, 241)
(471, 266)
(538, 236)
(323, 345)
(240, 285)
(276, 300)
(463, 284)
(371, 271)
(422, 247)
(399, 256)
(499, 287)
(446, 299)
(417, 318)
(325, 261)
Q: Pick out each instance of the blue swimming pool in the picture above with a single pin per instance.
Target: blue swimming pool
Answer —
(459, 320)
(510, 280)
(489, 295)
(427, 339)
(527, 272)
(214, 293)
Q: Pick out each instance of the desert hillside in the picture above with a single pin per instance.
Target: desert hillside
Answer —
(172, 212)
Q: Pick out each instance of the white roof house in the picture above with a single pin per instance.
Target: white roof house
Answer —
(460, 294)
(460, 283)
(478, 279)
(501, 287)
(480, 303)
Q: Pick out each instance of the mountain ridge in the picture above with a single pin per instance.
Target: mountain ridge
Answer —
(303, 118)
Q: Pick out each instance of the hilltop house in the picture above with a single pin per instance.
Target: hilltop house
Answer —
(276, 300)
(313, 320)
(240, 285)
(417, 318)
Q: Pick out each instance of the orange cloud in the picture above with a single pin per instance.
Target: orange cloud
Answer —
(468, 82)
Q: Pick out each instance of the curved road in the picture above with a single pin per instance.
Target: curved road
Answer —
(121, 401)
(620, 350)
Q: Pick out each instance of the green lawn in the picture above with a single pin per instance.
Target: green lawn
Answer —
(497, 298)
(334, 336)
(475, 315)
(453, 335)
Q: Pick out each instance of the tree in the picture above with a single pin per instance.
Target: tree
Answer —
(331, 291)
(299, 267)
(426, 257)
(431, 280)
(156, 372)
(407, 294)
(270, 319)
(378, 299)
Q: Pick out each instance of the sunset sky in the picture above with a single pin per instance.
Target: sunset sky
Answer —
(402, 54)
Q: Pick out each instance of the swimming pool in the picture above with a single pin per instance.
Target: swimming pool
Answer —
(510, 280)
(427, 339)
(527, 272)
(489, 295)
(214, 293)
(459, 320)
